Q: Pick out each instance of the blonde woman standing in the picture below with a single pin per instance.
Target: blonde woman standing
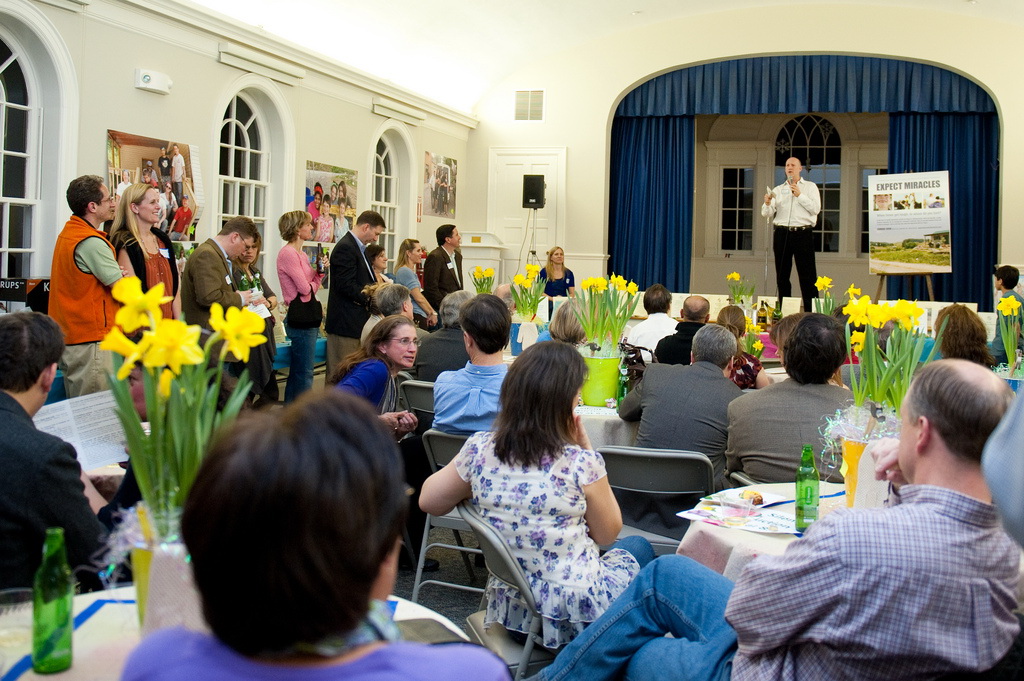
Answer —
(411, 254)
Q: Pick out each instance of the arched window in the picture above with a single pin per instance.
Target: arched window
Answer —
(244, 159)
(815, 141)
(17, 188)
(385, 193)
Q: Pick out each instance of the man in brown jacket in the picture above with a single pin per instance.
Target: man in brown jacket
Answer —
(207, 276)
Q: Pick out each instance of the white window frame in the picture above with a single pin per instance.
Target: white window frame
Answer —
(30, 201)
(384, 188)
(244, 182)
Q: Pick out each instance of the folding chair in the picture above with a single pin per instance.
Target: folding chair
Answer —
(656, 475)
(442, 448)
(418, 397)
(520, 658)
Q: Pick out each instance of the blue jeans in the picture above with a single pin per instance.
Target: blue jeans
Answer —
(673, 595)
(300, 371)
(638, 547)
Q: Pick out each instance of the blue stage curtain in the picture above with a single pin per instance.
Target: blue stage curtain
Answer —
(968, 146)
(651, 200)
(651, 190)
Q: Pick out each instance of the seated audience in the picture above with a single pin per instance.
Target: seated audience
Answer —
(370, 371)
(387, 300)
(294, 556)
(466, 400)
(1007, 278)
(768, 428)
(745, 370)
(504, 291)
(920, 589)
(444, 349)
(648, 333)
(675, 349)
(963, 335)
(686, 407)
(780, 331)
(539, 483)
(42, 482)
(565, 325)
(1004, 469)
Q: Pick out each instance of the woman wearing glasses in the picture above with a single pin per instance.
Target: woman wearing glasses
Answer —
(370, 371)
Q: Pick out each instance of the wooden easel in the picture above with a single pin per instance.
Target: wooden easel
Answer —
(927, 283)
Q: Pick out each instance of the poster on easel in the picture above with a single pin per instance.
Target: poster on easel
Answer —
(908, 223)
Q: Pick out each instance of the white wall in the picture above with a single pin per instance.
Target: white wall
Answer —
(583, 86)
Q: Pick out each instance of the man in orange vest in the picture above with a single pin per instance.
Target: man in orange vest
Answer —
(84, 268)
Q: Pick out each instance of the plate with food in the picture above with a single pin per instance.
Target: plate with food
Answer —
(757, 497)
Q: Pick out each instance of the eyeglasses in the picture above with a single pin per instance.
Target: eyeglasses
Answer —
(406, 342)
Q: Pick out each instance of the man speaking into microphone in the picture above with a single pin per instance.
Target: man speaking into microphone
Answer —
(794, 206)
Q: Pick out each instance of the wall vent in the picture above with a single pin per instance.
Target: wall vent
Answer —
(529, 105)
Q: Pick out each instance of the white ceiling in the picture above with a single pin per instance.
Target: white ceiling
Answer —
(453, 50)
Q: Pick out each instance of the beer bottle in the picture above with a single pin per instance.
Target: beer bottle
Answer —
(52, 592)
(806, 490)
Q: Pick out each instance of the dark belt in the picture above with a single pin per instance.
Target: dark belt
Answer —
(794, 228)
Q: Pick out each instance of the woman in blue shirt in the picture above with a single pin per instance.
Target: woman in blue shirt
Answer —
(560, 280)
(410, 254)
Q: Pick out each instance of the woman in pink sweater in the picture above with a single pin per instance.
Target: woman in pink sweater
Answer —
(299, 282)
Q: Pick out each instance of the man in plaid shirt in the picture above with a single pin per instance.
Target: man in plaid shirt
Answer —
(921, 588)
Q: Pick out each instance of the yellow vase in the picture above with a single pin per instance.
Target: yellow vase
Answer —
(141, 560)
(602, 380)
(852, 451)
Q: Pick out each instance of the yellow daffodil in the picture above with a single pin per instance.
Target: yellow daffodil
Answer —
(632, 288)
(241, 329)
(857, 310)
(532, 271)
(878, 315)
(733, 276)
(857, 341)
(528, 283)
(489, 272)
(137, 307)
(117, 342)
(823, 284)
(758, 345)
(164, 386)
(852, 292)
(172, 344)
(478, 271)
(906, 313)
(519, 280)
(600, 284)
(1008, 306)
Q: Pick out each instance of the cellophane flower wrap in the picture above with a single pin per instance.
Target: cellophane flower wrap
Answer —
(182, 383)
(527, 292)
(483, 279)
(604, 306)
(740, 291)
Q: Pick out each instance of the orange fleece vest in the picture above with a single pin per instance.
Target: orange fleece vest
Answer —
(81, 304)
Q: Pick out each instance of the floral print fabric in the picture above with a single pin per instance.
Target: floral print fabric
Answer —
(540, 513)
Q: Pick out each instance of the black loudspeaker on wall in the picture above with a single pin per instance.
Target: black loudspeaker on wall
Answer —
(533, 191)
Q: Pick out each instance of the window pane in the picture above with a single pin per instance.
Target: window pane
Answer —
(728, 198)
(728, 241)
(16, 130)
(253, 130)
(238, 158)
(255, 169)
(14, 176)
(13, 81)
(226, 195)
(243, 200)
(259, 201)
(225, 161)
(17, 265)
(242, 111)
(19, 232)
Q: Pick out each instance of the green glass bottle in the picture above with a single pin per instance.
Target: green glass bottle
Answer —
(52, 592)
(806, 490)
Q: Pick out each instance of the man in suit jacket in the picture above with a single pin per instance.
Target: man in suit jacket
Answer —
(686, 407)
(769, 427)
(207, 277)
(442, 273)
(40, 479)
(445, 349)
(346, 303)
(675, 349)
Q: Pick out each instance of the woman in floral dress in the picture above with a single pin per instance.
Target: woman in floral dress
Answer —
(537, 481)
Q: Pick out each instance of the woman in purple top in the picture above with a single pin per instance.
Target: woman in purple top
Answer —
(298, 282)
(746, 370)
(294, 556)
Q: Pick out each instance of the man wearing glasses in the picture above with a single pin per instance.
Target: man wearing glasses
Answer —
(84, 269)
(207, 277)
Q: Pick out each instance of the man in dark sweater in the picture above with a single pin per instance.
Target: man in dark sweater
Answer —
(675, 349)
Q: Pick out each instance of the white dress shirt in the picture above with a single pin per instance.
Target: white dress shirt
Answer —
(647, 333)
(794, 211)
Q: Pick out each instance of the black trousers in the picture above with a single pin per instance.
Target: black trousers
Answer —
(799, 245)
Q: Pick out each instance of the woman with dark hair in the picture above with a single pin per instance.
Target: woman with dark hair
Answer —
(746, 370)
(261, 359)
(963, 335)
(378, 259)
(370, 371)
(143, 249)
(537, 480)
(294, 557)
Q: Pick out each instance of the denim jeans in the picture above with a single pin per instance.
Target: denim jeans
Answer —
(671, 595)
(300, 371)
(638, 547)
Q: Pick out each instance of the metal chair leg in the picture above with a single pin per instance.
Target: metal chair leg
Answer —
(420, 561)
(465, 556)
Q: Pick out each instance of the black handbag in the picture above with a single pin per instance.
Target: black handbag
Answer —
(304, 315)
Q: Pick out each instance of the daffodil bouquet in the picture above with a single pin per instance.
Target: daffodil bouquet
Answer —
(527, 292)
(751, 341)
(1009, 329)
(884, 375)
(483, 279)
(740, 291)
(181, 391)
(604, 306)
(826, 304)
